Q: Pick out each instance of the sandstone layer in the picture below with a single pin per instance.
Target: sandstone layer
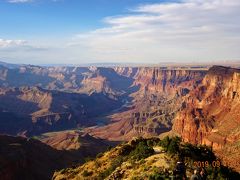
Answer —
(152, 107)
(212, 113)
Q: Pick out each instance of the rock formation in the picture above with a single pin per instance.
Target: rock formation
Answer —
(211, 115)
(33, 110)
(28, 158)
(153, 105)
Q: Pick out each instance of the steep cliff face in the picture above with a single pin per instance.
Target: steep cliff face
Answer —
(153, 105)
(107, 81)
(127, 71)
(161, 80)
(212, 112)
(212, 107)
(157, 80)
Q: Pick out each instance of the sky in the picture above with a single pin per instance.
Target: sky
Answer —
(119, 31)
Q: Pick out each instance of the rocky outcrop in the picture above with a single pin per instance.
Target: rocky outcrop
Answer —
(107, 81)
(22, 158)
(139, 89)
(153, 105)
(212, 108)
(157, 80)
(75, 141)
(211, 115)
(161, 79)
(54, 78)
(27, 158)
(86, 80)
(37, 110)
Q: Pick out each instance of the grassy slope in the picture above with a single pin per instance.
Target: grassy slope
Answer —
(145, 159)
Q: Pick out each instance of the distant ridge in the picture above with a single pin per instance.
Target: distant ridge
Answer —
(9, 65)
(167, 65)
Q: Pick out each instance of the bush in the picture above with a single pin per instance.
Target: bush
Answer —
(156, 177)
(109, 148)
(87, 159)
(126, 150)
(87, 173)
(173, 147)
(197, 153)
(104, 174)
(150, 142)
(99, 155)
(142, 151)
(165, 143)
(115, 163)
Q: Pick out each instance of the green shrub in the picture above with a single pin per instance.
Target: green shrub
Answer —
(126, 150)
(165, 143)
(99, 155)
(150, 143)
(173, 147)
(142, 151)
(197, 153)
(109, 148)
(86, 159)
(142, 161)
(156, 177)
(115, 163)
(87, 173)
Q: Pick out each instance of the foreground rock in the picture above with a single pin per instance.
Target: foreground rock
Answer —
(31, 159)
(22, 158)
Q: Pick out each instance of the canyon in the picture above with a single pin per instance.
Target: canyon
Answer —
(32, 110)
(153, 106)
(58, 98)
(73, 108)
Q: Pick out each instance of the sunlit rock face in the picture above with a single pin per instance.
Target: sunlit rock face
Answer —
(212, 112)
(154, 103)
(213, 104)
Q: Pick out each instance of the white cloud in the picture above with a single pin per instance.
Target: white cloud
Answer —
(189, 30)
(186, 30)
(6, 43)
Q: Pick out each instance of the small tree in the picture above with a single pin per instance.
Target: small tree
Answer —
(142, 151)
(165, 143)
(174, 144)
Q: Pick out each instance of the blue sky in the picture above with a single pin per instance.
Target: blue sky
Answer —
(47, 17)
(138, 31)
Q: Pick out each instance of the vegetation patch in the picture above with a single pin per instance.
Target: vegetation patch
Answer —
(153, 159)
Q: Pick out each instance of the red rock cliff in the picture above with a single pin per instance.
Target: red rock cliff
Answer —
(212, 112)
(153, 104)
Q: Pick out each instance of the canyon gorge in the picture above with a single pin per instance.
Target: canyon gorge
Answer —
(78, 108)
